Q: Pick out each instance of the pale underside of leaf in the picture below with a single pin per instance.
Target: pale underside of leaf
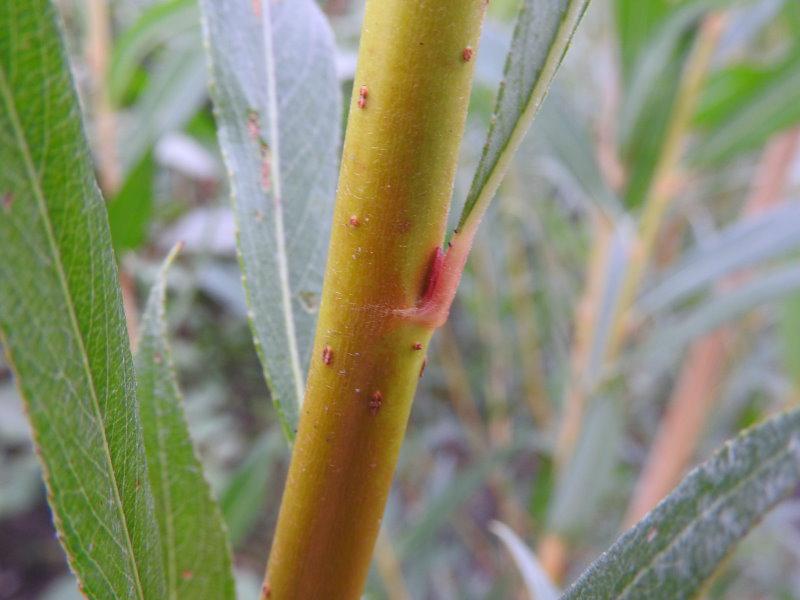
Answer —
(278, 107)
(194, 544)
(541, 37)
(673, 551)
(536, 580)
(743, 244)
(61, 317)
(716, 311)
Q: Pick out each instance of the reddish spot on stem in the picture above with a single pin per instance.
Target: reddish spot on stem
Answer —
(187, 575)
(375, 402)
(467, 53)
(257, 8)
(363, 92)
(266, 591)
(416, 346)
(8, 201)
(327, 355)
(354, 222)
(444, 274)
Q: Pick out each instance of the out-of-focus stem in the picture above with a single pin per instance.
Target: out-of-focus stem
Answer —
(586, 313)
(696, 390)
(661, 190)
(387, 287)
(656, 203)
(98, 51)
(389, 568)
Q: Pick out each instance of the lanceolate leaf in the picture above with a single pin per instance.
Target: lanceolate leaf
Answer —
(772, 104)
(177, 90)
(720, 308)
(278, 108)
(194, 544)
(678, 546)
(543, 32)
(743, 244)
(61, 318)
(533, 574)
(156, 26)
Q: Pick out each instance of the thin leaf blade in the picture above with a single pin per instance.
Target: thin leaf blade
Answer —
(278, 109)
(61, 318)
(541, 37)
(743, 244)
(194, 545)
(673, 551)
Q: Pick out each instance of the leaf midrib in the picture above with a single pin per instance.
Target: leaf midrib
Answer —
(24, 149)
(280, 236)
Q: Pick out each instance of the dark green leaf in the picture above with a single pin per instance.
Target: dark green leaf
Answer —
(676, 548)
(278, 109)
(129, 211)
(636, 23)
(194, 546)
(62, 321)
(768, 104)
(652, 84)
(246, 493)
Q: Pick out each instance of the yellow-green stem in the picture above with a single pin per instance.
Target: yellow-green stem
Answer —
(661, 193)
(381, 300)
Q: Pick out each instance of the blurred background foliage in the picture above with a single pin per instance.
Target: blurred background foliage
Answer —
(542, 398)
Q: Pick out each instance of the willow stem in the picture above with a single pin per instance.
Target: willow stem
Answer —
(387, 287)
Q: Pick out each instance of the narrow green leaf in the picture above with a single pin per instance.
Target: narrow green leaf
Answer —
(718, 310)
(176, 91)
(246, 493)
(568, 138)
(746, 243)
(61, 317)
(651, 84)
(772, 105)
(678, 546)
(541, 37)
(129, 211)
(636, 23)
(156, 26)
(589, 476)
(278, 107)
(538, 584)
(194, 545)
